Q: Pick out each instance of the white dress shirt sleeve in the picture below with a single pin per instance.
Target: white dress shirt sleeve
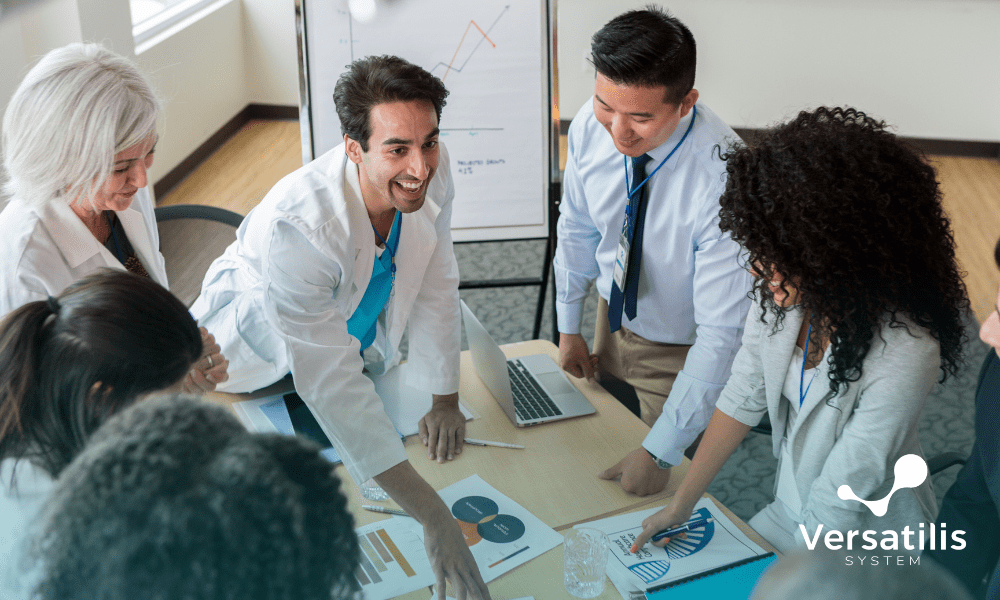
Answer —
(300, 284)
(575, 265)
(720, 293)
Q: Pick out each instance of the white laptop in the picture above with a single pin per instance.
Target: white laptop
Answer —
(530, 389)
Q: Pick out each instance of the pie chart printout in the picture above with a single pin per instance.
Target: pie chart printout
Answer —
(500, 533)
(480, 519)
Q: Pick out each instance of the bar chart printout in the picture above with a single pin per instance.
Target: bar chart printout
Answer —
(393, 559)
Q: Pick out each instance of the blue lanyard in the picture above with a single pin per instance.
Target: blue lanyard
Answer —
(694, 114)
(802, 373)
(397, 224)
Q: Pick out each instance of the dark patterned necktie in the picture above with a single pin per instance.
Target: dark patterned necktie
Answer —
(636, 215)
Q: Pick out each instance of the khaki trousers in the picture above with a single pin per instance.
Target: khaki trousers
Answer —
(650, 367)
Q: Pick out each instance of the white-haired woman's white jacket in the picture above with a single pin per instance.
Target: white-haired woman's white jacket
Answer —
(43, 249)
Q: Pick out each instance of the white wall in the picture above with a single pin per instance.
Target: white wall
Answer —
(270, 52)
(46, 25)
(31, 32)
(13, 64)
(198, 69)
(929, 67)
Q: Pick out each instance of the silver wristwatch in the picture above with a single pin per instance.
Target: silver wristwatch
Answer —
(660, 463)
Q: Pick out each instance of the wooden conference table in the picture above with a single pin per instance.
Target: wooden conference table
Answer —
(554, 477)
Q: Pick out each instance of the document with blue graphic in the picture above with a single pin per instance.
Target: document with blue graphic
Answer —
(705, 548)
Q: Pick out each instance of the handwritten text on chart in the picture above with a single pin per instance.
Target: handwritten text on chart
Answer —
(465, 166)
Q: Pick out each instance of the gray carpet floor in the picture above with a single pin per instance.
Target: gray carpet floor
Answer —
(746, 482)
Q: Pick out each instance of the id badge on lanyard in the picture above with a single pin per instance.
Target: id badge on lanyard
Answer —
(621, 260)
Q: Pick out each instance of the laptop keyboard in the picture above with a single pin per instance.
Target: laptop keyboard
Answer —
(530, 400)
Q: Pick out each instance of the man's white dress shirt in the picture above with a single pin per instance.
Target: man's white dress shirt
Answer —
(692, 285)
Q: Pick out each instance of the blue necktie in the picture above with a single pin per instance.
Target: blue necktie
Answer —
(634, 221)
(362, 323)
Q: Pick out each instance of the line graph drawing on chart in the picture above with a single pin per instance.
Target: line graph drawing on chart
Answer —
(486, 38)
(441, 69)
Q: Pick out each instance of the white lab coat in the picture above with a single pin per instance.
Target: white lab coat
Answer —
(46, 248)
(279, 298)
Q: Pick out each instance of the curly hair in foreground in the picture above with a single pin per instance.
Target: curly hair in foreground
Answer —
(852, 218)
(174, 500)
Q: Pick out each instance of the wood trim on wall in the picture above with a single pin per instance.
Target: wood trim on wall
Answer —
(275, 112)
(927, 145)
(217, 139)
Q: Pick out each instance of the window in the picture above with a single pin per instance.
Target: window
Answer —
(150, 17)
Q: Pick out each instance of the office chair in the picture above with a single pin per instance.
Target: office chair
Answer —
(191, 237)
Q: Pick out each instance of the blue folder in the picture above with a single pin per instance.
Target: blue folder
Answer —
(730, 582)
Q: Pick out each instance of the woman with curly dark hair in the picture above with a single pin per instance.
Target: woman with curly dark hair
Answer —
(860, 309)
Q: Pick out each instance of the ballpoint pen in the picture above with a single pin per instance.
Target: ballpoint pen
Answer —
(683, 528)
(383, 509)
(489, 443)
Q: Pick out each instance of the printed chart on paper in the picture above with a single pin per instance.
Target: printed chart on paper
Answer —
(393, 559)
(500, 533)
(705, 548)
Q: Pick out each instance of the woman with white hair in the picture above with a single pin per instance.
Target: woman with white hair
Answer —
(79, 135)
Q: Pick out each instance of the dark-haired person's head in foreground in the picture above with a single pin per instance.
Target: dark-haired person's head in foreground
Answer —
(845, 220)
(175, 500)
(645, 62)
(72, 361)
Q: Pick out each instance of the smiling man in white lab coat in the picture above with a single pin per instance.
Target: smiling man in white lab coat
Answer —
(329, 269)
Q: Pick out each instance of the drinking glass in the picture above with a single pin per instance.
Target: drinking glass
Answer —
(585, 552)
(371, 491)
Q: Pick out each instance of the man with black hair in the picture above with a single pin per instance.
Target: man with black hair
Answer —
(640, 216)
(328, 271)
